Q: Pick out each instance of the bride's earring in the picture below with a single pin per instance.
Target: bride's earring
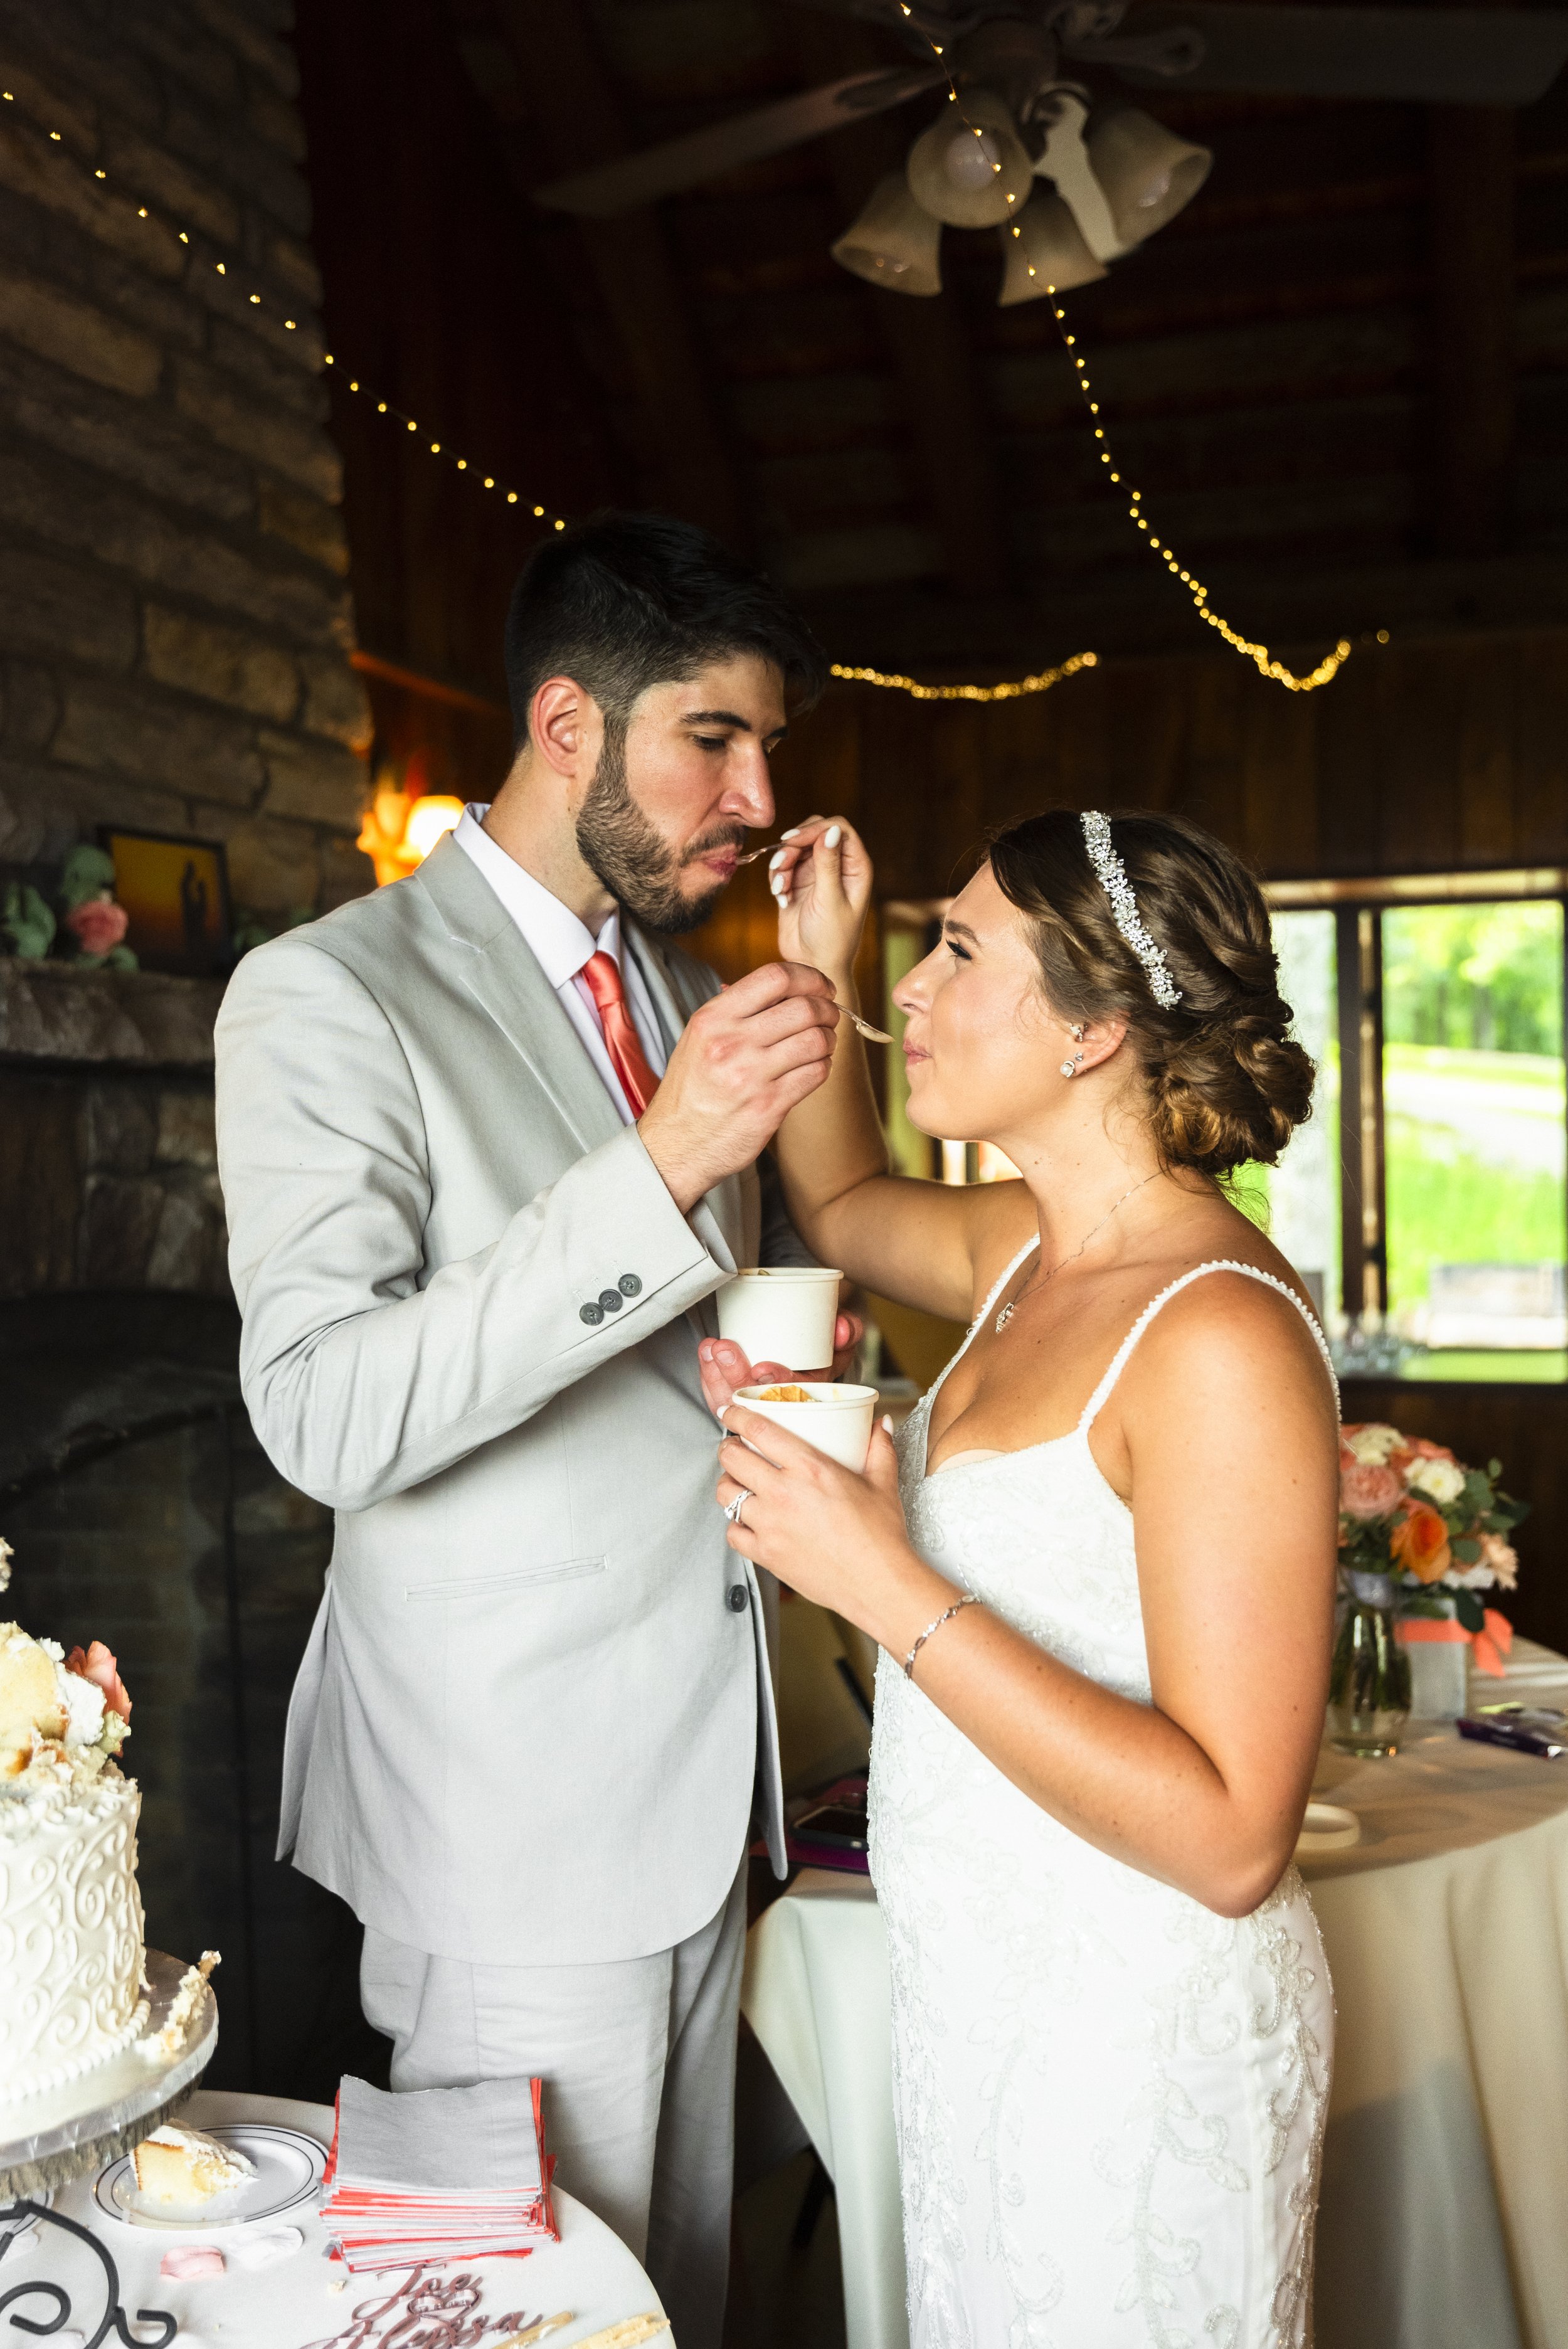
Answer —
(1070, 1068)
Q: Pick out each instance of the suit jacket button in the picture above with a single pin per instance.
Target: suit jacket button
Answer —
(591, 1314)
(609, 1300)
(737, 1599)
(630, 1286)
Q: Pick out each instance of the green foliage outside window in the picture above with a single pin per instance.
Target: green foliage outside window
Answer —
(1488, 979)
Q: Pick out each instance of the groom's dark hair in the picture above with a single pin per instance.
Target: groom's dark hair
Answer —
(625, 601)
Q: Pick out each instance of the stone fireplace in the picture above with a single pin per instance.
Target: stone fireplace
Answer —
(175, 657)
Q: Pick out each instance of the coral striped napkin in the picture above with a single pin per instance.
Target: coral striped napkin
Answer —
(438, 2174)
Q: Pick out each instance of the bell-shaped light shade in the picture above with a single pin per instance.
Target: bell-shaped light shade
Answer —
(970, 168)
(1147, 172)
(1048, 251)
(894, 241)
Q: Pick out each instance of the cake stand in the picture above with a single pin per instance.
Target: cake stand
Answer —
(46, 2139)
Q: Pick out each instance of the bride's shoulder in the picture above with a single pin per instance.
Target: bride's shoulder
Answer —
(1226, 1326)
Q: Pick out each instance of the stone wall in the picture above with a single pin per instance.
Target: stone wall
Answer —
(174, 622)
(109, 1175)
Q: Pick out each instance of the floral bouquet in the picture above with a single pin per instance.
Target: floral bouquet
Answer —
(1433, 1532)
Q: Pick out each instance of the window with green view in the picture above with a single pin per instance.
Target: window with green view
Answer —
(1474, 1133)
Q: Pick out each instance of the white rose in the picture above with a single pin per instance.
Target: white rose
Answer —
(1374, 1443)
(1469, 1578)
(1441, 1480)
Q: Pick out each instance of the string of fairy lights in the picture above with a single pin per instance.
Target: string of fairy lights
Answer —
(1259, 655)
(1011, 689)
(267, 303)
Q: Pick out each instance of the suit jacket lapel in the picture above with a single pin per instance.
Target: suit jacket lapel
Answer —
(500, 969)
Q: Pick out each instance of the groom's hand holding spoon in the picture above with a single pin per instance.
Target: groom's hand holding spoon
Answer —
(743, 1061)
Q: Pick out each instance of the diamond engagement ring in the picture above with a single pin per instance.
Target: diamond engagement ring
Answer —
(732, 1508)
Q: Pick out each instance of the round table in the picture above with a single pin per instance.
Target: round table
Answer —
(1446, 2163)
(307, 2299)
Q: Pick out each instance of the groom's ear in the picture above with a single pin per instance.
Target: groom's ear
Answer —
(565, 730)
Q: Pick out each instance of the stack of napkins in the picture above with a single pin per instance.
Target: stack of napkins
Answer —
(438, 2174)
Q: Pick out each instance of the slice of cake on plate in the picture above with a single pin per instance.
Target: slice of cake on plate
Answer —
(186, 2165)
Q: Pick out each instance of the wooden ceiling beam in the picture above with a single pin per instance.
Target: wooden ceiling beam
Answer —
(1471, 167)
(926, 340)
(576, 119)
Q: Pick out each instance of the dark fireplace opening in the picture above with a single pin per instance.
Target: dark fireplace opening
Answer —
(143, 1512)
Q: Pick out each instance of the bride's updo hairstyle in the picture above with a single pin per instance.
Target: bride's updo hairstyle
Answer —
(1226, 1081)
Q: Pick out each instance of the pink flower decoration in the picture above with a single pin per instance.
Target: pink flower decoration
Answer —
(1421, 1447)
(97, 926)
(1366, 1493)
(100, 1667)
(1503, 1559)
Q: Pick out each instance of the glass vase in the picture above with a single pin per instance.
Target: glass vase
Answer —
(1369, 1680)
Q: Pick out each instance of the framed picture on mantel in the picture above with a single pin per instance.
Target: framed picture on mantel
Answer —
(176, 892)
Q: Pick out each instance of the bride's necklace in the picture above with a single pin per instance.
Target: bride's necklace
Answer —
(1007, 1311)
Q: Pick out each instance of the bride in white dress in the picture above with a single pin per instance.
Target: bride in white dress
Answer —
(1101, 1571)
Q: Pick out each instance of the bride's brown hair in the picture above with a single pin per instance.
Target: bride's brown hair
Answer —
(1226, 1081)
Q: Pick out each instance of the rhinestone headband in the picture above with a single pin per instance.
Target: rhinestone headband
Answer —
(1124, 912)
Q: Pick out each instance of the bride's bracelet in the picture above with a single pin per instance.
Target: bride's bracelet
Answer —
(946, 1615)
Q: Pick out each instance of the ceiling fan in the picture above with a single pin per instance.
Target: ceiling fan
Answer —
(1032, 139)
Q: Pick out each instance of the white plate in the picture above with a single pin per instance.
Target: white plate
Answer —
(289, 2167)
(1327, 1826)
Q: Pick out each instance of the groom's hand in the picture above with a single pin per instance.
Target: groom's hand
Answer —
(743, 1061)
(725, 1368)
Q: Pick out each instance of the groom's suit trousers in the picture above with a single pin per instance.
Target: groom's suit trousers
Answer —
(638, 2059)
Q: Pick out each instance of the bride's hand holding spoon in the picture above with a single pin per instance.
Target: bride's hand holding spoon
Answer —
(820, 877)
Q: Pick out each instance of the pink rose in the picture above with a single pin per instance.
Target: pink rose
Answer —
(1503, 1559)
(1421, 1447)
(96, 927)
(1369, 1492)
(100, 1667)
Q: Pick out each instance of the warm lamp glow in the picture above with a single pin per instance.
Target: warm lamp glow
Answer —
(430, 820)
(400, 829)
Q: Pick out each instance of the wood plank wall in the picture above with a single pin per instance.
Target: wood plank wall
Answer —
(1421, 757)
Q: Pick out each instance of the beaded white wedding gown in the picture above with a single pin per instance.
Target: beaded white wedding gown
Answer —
(1110, 2100)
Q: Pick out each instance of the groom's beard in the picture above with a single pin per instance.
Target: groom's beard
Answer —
(618, 842)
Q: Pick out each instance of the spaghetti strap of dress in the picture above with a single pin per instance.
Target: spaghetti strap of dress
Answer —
(974, 1329)
(1096, 1403)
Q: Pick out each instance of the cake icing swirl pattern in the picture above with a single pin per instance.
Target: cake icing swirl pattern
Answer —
(70, 1932)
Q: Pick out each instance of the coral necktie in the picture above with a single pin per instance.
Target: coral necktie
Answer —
(627, 1057)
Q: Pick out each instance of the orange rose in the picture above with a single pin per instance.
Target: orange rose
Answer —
(1422, 1543)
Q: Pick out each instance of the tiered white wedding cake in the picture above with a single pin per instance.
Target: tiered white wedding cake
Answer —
(71, 1950)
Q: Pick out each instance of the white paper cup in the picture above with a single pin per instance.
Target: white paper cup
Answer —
(837, 1420)
(782, 1313)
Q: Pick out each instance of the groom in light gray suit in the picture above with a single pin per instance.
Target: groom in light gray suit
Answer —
(488, 1146)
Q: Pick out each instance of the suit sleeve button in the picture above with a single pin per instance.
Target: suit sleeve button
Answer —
(737, 1599)
(591, 1314)
(609, 1300)
(630, 1286)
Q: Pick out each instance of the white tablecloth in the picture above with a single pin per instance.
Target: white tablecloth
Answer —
(1445, 2206)
(293, 2304)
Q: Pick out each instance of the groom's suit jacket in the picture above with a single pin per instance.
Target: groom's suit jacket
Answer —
(526, 1725)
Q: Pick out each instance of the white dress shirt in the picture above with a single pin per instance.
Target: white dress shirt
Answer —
(562, 945)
